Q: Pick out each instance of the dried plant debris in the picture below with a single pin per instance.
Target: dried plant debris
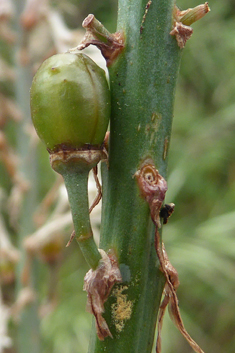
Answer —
(25, 297)
(34, 11)
(182, 33)
(153, 188)
(99, 189)
(98, 285)
(5, 315)
(183, 19)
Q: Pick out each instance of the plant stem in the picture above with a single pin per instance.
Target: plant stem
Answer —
(97, 29)
(142, 84)
(76, 185)
(74, 166)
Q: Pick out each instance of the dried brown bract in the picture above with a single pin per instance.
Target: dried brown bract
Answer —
(98, 285)
(182, 33)
(99, 189)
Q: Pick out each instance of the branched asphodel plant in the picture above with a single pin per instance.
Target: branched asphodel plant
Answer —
(130, 271)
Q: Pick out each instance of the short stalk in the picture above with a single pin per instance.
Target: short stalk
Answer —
(75, 174)
(76, 185)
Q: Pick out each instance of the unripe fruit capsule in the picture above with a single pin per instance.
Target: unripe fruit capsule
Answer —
(70, 102)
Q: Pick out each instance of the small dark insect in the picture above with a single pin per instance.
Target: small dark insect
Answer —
(166, 211)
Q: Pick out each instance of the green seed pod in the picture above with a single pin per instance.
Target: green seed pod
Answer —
(70, 102)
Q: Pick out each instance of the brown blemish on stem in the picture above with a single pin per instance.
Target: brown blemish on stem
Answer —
(84, 237)
(166, 146)
(151, 128)
(145, 15)
(122, 309)
(80, 239)
(152, 187)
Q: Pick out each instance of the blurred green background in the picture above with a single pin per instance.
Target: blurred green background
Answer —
(200, 236)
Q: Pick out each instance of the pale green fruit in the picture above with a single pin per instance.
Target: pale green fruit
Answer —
(70, 102)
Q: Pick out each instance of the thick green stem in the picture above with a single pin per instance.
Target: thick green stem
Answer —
(142, 86)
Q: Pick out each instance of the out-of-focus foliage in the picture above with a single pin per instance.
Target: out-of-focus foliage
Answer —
(105, 11)
(200, 236)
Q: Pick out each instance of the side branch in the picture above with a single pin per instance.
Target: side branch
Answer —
(110, 44)
(183, 20)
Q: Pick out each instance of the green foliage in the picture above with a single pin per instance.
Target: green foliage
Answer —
(200, 235)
